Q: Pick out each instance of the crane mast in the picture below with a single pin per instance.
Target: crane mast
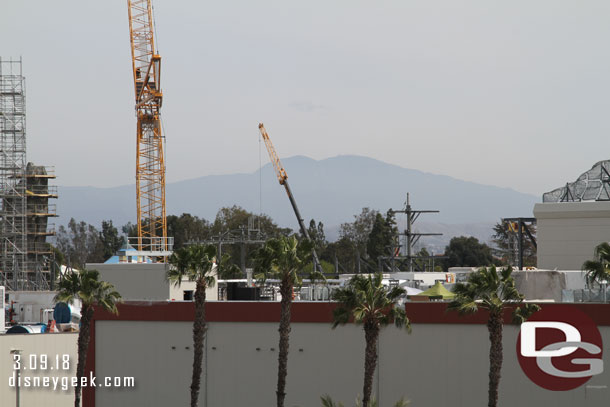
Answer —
(283, 179)
(150, 163)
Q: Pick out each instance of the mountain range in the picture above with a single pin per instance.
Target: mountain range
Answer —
(331, 190)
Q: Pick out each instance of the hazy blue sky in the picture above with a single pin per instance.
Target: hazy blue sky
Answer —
(514, 94)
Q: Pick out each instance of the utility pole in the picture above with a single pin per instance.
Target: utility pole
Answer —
(18, 377)
(412, 237)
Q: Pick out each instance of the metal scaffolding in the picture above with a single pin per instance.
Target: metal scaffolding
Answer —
(13, 230)
(26, 259)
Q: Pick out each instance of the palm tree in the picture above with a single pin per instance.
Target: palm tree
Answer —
(86, 286)
(494, 291)
(598, 270)
(197, 263)
(282, 258)
(367, 301)
(327, 401)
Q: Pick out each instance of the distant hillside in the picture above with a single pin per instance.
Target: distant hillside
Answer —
(330, 190)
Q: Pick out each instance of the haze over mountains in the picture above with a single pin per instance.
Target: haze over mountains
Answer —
(331, 190)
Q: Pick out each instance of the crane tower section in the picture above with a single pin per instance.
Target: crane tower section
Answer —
(150, 163)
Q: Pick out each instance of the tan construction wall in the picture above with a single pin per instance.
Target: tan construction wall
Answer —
(38, 344)
(568, 232)
(437, 365)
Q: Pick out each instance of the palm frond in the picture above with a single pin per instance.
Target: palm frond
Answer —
(365, 298)
(341, 316)
(487, 288)
(281, 258)
(86, 286)
(506, 273)
(195, 263)
(399, 315)
(395, 293)
(522, 313)
(209, 281)
(227, 270)
(595, 271)
(315, 276)
(372, 402)
(402, 403)
(602, 252)
(327, 401)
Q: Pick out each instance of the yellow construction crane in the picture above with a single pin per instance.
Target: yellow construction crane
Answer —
(150, 163)
(283, 179)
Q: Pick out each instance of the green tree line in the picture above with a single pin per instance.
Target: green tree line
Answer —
(370, 236)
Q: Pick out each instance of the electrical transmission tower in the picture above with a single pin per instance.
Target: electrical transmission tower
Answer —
(243, 236)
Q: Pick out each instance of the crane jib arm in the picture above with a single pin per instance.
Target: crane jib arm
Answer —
(283, 179)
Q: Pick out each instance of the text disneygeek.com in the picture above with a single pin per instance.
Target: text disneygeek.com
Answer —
(57, 363)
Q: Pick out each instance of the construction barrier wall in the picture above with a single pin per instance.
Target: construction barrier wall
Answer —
(444, 362)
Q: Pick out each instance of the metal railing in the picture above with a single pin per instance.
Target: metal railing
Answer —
(42, 209)
(37, 229)
(49, 172)
(152, 243)
(586, 295)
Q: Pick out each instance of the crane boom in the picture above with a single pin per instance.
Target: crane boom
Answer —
(150, 162)
(282, 177)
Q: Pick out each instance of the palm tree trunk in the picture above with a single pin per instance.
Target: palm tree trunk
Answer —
(84, 335)
(371, 333)
(282, 360)
(494, 325)
(199, 328)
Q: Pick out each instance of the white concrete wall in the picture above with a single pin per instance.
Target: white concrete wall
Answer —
(568, 232)
(145, 281)
(136, 281)
(546, 284)
(437, 365)
(37, 344)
